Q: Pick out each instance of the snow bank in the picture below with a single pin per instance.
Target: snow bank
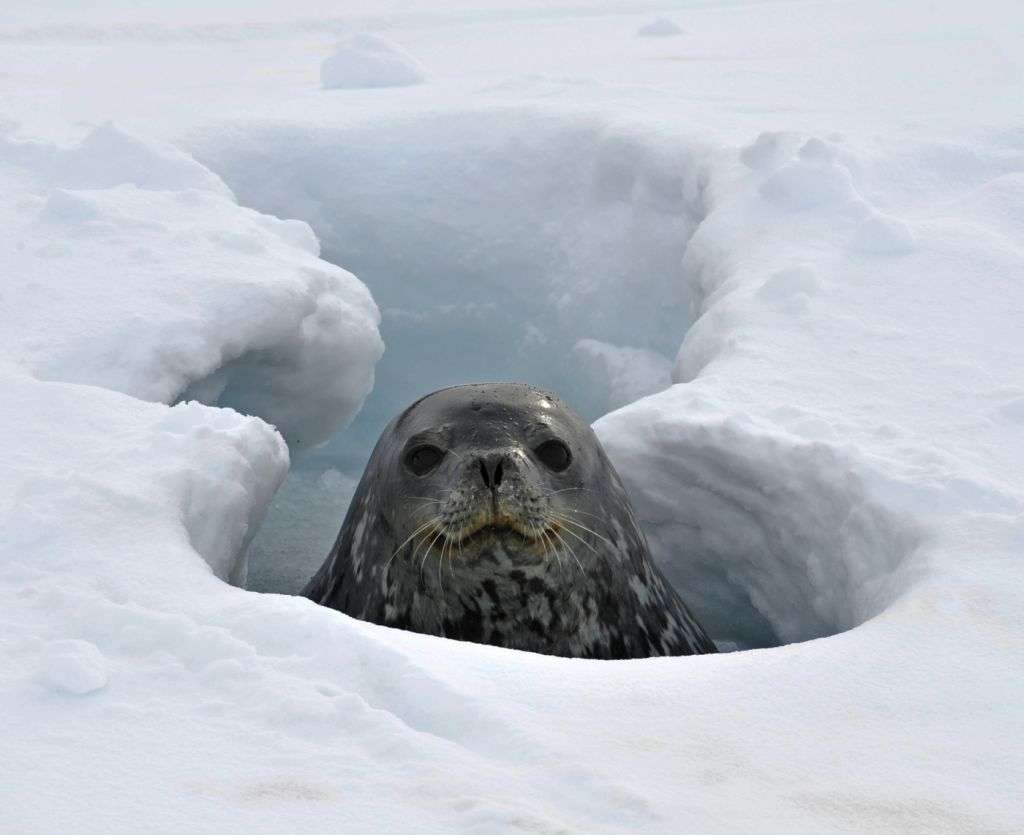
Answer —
(124, 477)
(772, 538)
(367, 60)
(133, 269)
(115, 628)
(130, 268)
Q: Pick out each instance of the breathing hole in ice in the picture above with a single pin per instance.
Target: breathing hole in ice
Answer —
(520, 246)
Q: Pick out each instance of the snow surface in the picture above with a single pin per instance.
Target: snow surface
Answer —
(808, 221)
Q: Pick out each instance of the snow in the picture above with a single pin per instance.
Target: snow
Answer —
(131, 268)
(790, 258)
(661, 27)
(779, 534)
(147, 278)
(75, 667)
(368, 60)
(884, 235)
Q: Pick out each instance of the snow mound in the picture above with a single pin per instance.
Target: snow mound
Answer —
(789, 283)
(367, 60)
(768, 150)
(771, 538)
(790, 289)
(883, 235)
(133, 269)
(809, 184)
(659, 28)
(75, 667)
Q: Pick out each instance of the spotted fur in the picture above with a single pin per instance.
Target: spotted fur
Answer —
(526, 558)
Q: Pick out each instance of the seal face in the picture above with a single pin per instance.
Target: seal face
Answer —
(490, 513)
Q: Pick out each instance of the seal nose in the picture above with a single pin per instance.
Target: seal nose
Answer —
(491, 469)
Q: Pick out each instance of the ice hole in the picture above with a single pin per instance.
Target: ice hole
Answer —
(519, 245)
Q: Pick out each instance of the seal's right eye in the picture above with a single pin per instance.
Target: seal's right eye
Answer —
(554, 454)
(422, 459)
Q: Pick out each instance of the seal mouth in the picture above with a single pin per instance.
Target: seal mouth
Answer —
(491, 530)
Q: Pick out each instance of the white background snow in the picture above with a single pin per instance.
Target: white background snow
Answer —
(778, 256)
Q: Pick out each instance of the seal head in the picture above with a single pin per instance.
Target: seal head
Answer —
(490, 513)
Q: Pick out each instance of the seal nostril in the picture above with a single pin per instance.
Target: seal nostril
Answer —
(491, 470)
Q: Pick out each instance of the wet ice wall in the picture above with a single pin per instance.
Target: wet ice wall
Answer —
(494, 242)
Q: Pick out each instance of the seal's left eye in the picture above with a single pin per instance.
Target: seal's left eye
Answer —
(422, 459)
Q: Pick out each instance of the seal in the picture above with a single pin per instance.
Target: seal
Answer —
(490, 513)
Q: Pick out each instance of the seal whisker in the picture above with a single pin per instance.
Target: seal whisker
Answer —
(451, 557)
(451, 560)
(423, 561)
(569, 521)
(544, 544)
(416, 532)
(440, 564)
(582, 512)
(538, 535)
(425, 508)
(577, 536)
(535, 536)
(579, 565)
(421, 541)
(546, 535)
